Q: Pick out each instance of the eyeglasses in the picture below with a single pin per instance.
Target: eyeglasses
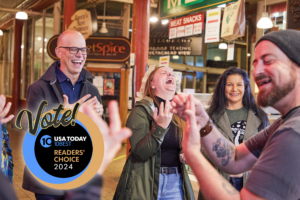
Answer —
(75, 50)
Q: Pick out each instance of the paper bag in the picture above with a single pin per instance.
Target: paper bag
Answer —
(234, 21)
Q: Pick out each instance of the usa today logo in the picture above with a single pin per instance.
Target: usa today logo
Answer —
(63, 149)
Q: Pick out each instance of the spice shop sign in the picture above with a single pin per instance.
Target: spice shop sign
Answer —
(102, 49)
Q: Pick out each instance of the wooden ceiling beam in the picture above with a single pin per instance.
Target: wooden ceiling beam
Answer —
(43, 5)
(6, 25)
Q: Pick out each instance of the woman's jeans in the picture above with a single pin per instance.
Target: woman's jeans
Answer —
(170, 186)
(237, 183)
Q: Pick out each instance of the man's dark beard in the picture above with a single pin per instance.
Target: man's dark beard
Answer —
(276, 94)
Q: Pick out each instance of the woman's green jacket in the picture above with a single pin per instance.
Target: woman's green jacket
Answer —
(140, 177)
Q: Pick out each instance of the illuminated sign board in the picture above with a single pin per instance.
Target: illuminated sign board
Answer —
(102, 49)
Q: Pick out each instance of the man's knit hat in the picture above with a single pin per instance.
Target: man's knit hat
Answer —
(288, 41)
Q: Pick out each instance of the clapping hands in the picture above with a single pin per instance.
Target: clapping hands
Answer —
(179, 106)
(187, 107)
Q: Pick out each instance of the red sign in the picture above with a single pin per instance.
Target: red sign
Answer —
(186, 26)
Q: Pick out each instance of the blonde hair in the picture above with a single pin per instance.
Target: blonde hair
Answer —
(179, 123)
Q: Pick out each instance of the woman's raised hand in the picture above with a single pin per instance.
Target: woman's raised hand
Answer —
(164, 116)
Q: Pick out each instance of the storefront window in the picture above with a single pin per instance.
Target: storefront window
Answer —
(211, 82)
(49, 34)
(214, 53)
(6, 62)
(38, 45)
(29, 53)
(176, 59)
(199, 82)
(199, 61)
(190, 60)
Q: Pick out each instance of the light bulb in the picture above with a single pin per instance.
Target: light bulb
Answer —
(265, 21)
(153, 19)
(103, 29)
(164, 21)
(21, 15)
(222, 46)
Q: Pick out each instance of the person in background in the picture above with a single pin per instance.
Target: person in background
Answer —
(112, 137)
(234, 112)
(153, 169)
(65, 82)
(272, 155)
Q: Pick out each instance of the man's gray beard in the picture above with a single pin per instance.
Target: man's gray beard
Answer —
(276, 94)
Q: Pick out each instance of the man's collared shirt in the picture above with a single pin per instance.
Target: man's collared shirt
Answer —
(73, 92)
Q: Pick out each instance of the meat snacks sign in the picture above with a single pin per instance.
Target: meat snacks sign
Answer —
(102, 49)
(186, 26)
(63, 149)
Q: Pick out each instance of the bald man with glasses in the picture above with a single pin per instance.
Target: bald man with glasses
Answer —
(65, 82)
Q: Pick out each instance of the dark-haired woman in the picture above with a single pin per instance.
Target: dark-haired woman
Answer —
(153, 169)
(235, 113)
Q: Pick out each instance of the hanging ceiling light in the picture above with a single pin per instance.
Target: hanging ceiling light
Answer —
(21, 15)
(1, 32)
(265, 21)
(222, 46)
(164, 21)
(153, 19)
(103, 29)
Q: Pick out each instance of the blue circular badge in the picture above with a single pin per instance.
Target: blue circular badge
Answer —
(64, 156)
(46, 141)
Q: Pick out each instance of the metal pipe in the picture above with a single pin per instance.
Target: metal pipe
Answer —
(10, 58)
(43, 42)
(24, 60)
(32, 52)
(110, 17)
